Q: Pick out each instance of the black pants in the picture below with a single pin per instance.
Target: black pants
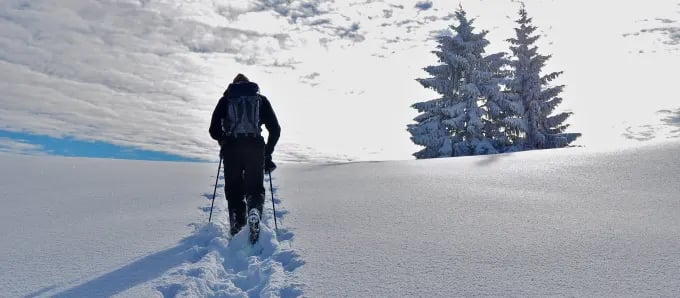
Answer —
(243, 177)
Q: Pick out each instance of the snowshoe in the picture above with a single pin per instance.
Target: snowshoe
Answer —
(254, 223)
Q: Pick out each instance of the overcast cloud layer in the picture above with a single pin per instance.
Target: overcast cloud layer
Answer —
(340, 74)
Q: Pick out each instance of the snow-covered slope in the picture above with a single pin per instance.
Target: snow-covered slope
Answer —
(73, 227)
(556, 222)
(567, 222)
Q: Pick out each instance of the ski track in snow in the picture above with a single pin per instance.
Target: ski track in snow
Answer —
(217, 266)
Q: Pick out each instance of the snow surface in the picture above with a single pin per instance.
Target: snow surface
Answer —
(568, 222)
(95, 228)
(556, 222)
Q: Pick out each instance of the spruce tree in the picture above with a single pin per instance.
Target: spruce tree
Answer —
(533, 127)
(458, 122)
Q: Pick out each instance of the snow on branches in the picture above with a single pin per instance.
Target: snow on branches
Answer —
(536, 128)
(488, 103)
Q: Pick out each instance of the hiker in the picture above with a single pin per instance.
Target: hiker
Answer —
(235, 125)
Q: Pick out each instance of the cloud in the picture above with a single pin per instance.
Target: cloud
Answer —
(301, 153)
(19, 147)
(387, 13)
(310, 79)
(122, 72)
(672, 120)
(344, 20)
(671, 33)
(295, 10)
(640, 133)
(668, 28)
(424, 5)
(312, 76)
(351, 33)
(146, 74)
(669, 127)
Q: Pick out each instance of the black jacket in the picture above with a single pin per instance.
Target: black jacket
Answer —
(267, 116)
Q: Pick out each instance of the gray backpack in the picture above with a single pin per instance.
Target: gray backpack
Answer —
(243, 116)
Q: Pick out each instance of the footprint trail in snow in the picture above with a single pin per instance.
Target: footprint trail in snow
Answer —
(221, 267)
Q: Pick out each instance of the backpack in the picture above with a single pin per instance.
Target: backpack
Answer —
(242, 116)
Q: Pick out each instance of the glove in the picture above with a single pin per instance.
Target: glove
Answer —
(269, 165)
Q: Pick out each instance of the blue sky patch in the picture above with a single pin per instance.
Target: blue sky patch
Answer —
(69, 146)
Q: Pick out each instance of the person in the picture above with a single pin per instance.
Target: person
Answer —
(236, 125)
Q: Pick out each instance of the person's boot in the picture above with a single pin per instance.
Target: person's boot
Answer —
(254, 223)
(254, 203)
(236, 222)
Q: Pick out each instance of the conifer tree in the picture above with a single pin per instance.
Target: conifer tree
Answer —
(458, 123)
(533, 127)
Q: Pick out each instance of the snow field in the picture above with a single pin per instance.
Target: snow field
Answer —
(78, 227)
(567, 222)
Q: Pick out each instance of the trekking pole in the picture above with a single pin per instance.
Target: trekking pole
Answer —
(271, 188)
(215, 191)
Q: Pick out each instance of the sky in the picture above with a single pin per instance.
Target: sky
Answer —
(144, 75)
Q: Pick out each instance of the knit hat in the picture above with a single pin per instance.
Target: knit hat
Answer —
(241, 78)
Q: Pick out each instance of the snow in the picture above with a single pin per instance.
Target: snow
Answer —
(565, 222)
(91, 227)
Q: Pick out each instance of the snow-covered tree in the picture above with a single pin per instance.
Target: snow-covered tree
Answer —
(533, 127)
(500, 108)
(458, 123)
